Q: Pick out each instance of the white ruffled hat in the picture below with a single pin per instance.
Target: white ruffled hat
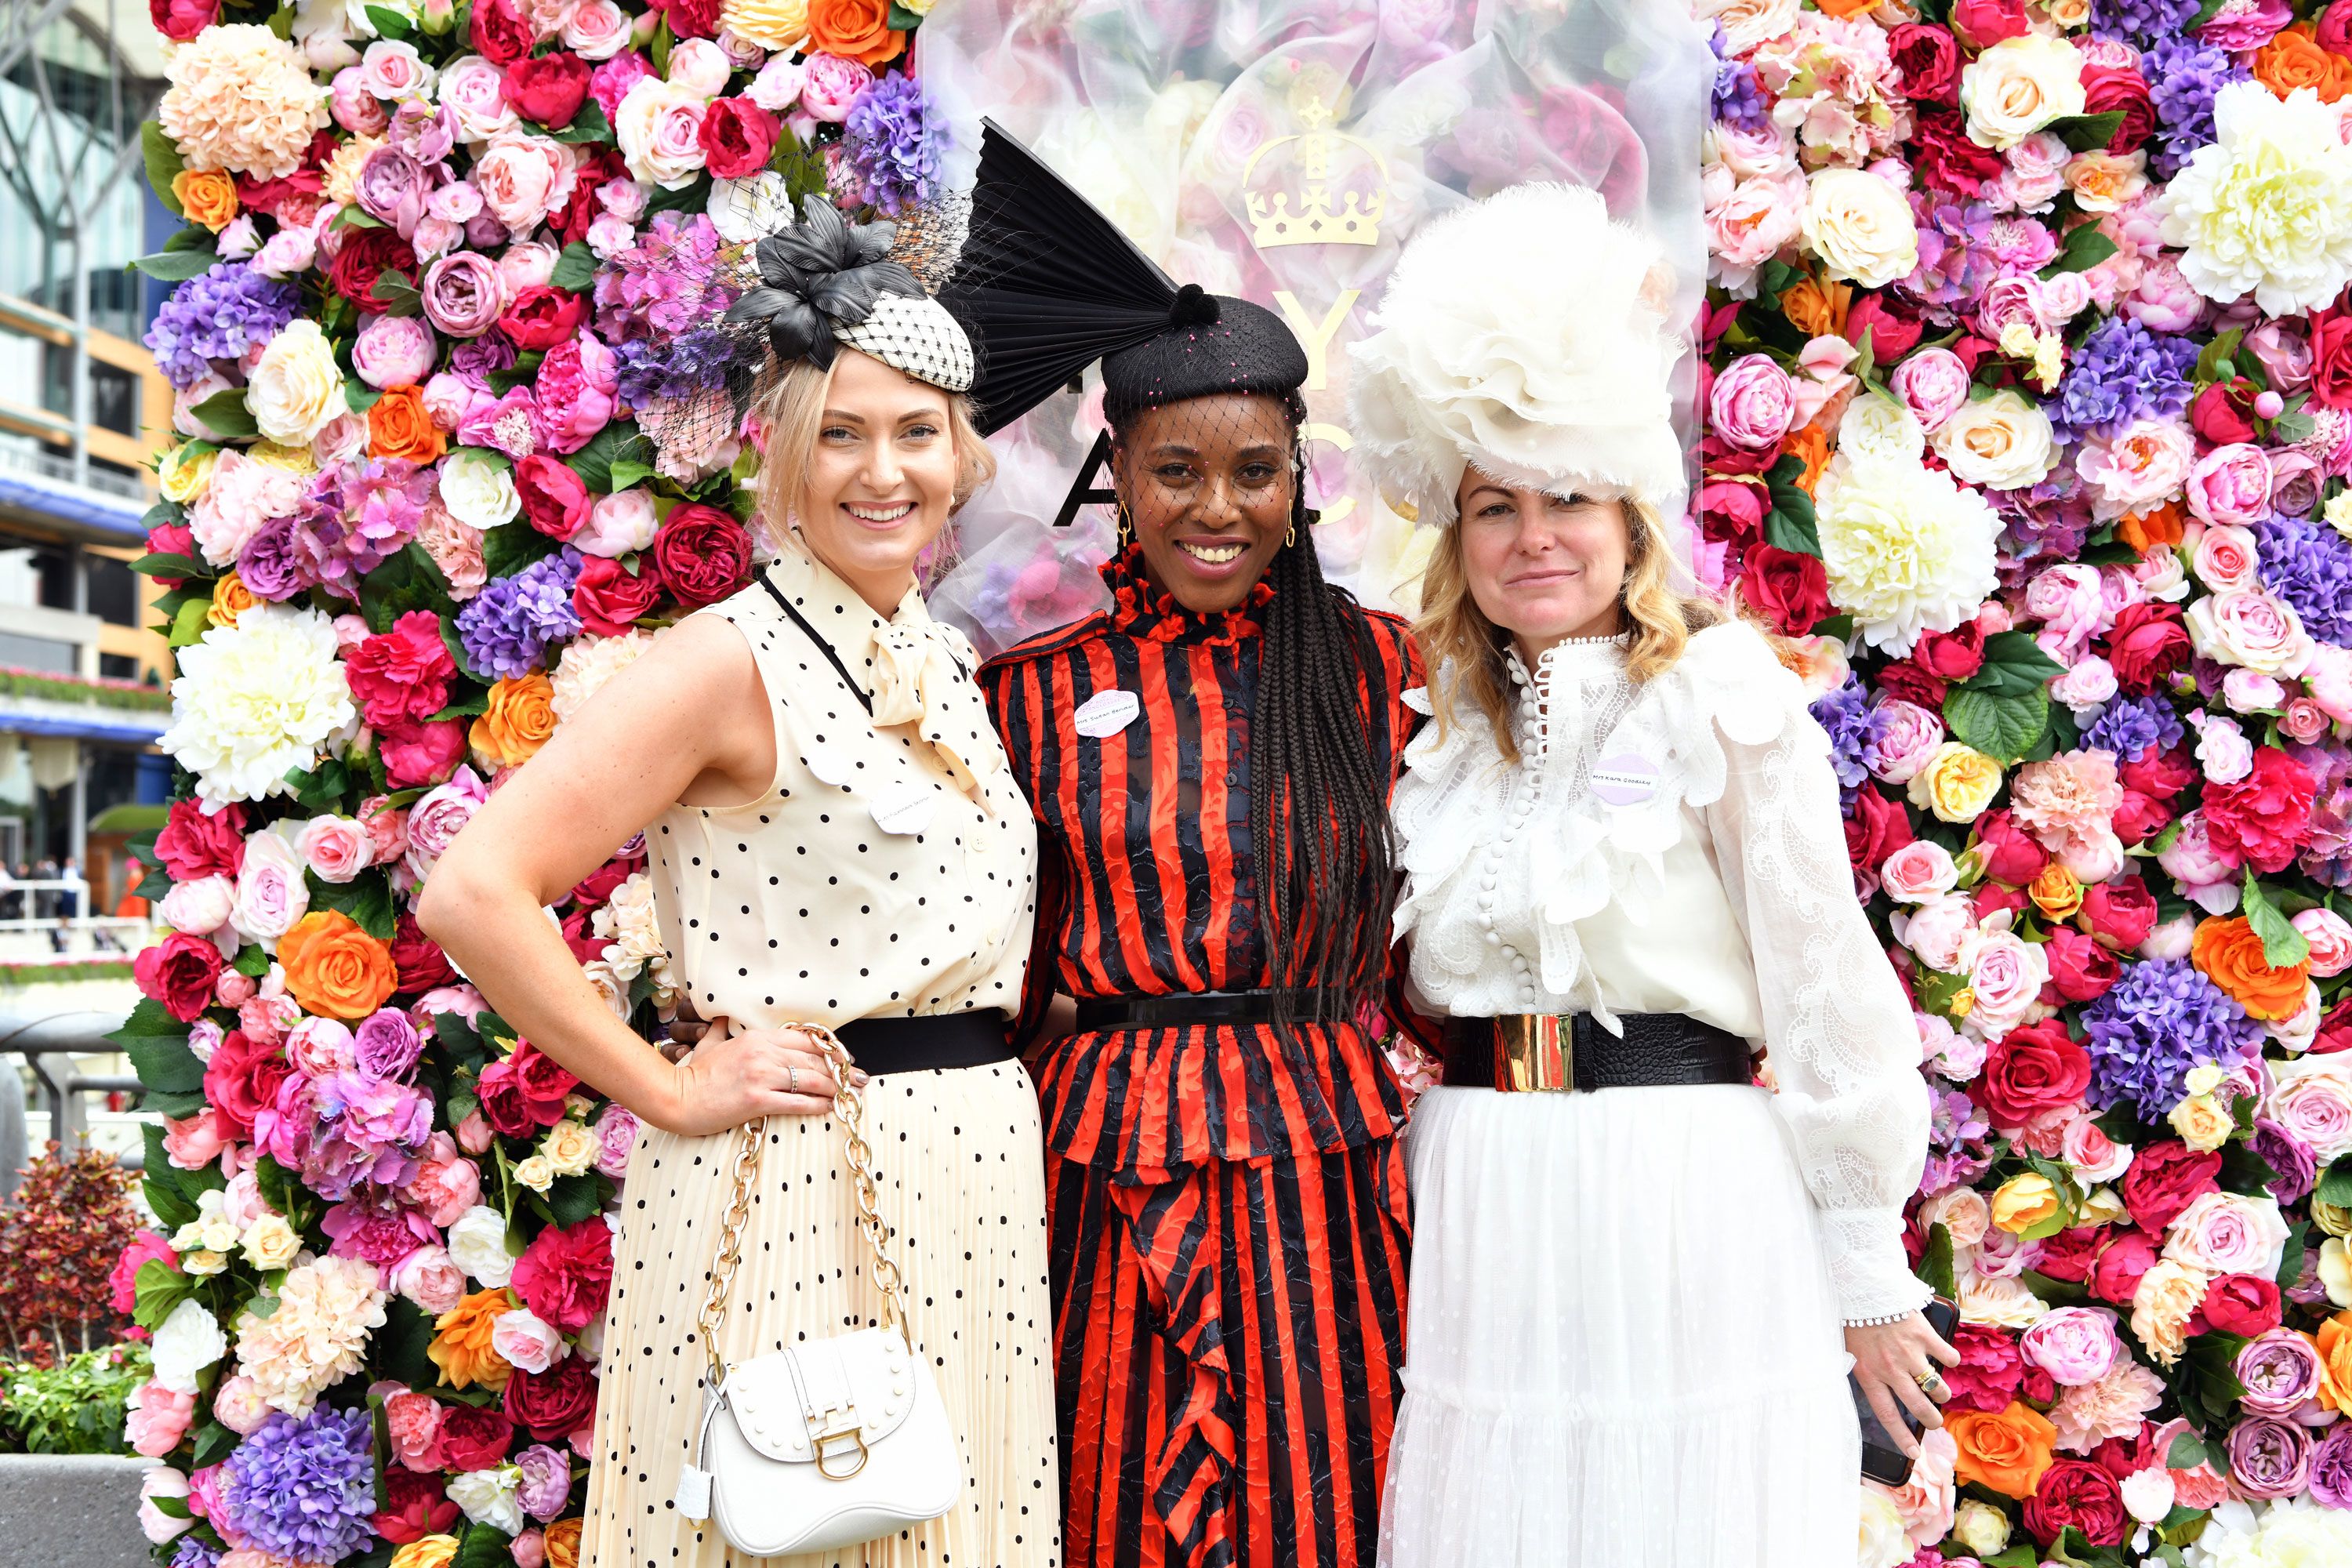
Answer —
(1526, 336)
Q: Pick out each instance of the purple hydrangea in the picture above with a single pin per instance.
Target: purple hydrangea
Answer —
(2042, 522)
(1852, 724)
(2183, 74)
(358, 516)
(2141, 21)
(193, 1554)
(663, 286)
(2123, 372)
(1957, 259)
(2310, 566)
(2161, 1019)
(507, 628)
(304, 1489)
(2328, 859)
(676, 368)
(894, 137)
(2132, 727)
(218, 315)
(1740, 97)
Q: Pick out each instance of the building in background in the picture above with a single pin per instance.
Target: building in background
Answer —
(82, 410)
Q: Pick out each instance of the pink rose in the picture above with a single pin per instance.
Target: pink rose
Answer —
(394, 70)
(2304, 721)
(617, 524)
(162, 1481)
(2137, 468)
(2312, 1102)
(393, 350)
(445, 1185)
(778, 86)
(527, 1341)
(1908, 736)
(157, 1419)
(597, 29)
(2330, 936)
(1752, 404)
(414, 1420)
(1749, 220)
(2251, 691)
(2075, 1345)
(830, 85)
(2228, 1232)
(2094, 1156)
(463, 294)
(391, 187)
(616, 1138)
(320, 1046)
(575, 392)
(355, 108)
(437, 816)
(523, 177)
(2328, 677)
(473, 89)
(2088, 682)
(239, 1406)
(528, 264)
(1935, 930)
(428, 1277)
(2192, 861)
(193, 1143)
(336, 848)
(2224, 558)
(2006, 974)
(2071, 605)
(2296, 478)
(1919, 871)
(2165, 300)
(199, 908)
(2249, 627)
(2231, 484)
(1933, 385)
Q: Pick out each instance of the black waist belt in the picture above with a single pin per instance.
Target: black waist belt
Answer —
(1573, 1052)
(1101, 1015)
(915, 1045)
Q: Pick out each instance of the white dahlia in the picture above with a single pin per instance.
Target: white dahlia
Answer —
(2266, 206)
(255, 700)
(1908, 549)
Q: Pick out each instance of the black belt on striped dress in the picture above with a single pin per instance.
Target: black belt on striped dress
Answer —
(1103, 1013)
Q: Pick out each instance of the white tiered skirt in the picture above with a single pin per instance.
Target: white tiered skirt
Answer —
(1621, 1346)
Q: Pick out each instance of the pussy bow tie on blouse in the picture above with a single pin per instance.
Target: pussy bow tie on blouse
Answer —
(919, 667)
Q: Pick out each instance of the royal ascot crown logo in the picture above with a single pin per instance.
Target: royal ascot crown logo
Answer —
(1324, 208)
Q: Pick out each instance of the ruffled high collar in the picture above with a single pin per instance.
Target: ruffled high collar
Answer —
(1142, 608)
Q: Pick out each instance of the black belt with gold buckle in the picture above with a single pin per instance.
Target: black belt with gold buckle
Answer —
(1566, 1052)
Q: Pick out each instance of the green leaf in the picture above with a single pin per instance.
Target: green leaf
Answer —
(165, 1064)
(148, 1018)
(2086, 132)
(2085, 248)
(2054, 1292)
(2335, 1186)
(163, 161)
(485, 1546)
(2283, 945)
(2004, 727)
(396, 292)
(903, 20)
(576, 269)
(189, 624)
(1936, 1266)
(510, 547)
(588, 125)
(160, 1289)
(2187, 1452)
(390, 24)
(593, 462)
(178, 266)
(404, 1341)
(224, 414)
(215, 1441)
(359, 396)
(2013, 665)
(2217, 353)
(627, 472)
(572, 1199)
(158, 565)
(2290, 1268)
(663, 40)
(366, 899)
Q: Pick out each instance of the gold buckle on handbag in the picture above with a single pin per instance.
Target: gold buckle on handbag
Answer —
(1536, 1051)
(838, 1424)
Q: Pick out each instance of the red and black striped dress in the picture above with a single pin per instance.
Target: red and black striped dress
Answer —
(1229, 1223)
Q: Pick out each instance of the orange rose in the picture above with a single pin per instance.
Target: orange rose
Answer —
(1812, 443)
(208, 196)
(231, 598)
(461, 1341)
(2007, 1451)
(520, 716)
(855, 29)
(398, 426)
(2294, 59)
(2056, 893)
(333, 968)
(2333, 1344)
(562, 1542)
(2230, 954)
(1814, 307)
(2144, 531)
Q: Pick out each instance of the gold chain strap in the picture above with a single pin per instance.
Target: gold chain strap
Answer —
(849, 1109)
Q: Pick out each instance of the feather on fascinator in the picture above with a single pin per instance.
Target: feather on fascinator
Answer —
(1524, 336)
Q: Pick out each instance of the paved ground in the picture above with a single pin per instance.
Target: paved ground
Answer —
(58, 1512)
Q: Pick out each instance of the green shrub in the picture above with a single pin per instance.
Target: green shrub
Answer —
(75, 1408)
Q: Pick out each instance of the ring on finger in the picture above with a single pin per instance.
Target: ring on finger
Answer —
(791, 1078)
(1931, 1383)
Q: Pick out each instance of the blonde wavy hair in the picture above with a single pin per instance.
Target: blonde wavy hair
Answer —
(789, 411)
(1453, 629)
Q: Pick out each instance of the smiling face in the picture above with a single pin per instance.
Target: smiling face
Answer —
(1540, 567)
(1207, 484)
(880, 480)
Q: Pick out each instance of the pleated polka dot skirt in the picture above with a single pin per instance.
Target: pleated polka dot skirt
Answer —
(959, 1174)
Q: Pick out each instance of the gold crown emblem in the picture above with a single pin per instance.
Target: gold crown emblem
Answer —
(1325, 212)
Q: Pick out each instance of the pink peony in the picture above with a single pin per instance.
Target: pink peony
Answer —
(2068, 800)
(157, 1419)
(2075, 1345)
(2231, 484)
(1933, 384)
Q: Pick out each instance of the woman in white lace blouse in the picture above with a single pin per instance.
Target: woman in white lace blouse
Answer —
(1635, 1299)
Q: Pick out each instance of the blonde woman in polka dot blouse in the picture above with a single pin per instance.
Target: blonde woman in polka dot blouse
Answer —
(834, 837)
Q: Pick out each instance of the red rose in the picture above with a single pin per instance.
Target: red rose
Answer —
(403, 673)
(2030, 1070)
(737, 136)
(1731, 513)
(2264, 818)
(241, 1082)
(181, 20)
(543, 316)
(2080, 969)
(702, 553)
(2106, 88)
(419, 754)
(1893, 330)
(1955, 655)
(597, 885)
(2331, 350)
(1718, 456)
(554, 498)
(1990, 1369)
(194, 845)
(565, 1272)
(1991, 898)
(555, 1403)
(295, 198)
(1980, 23)
(2161, 775)
(585, 944)
(2010, 854)
(2139, 819)
(1947, 159)
(179, 972)
(2242, 1304)
(2078, 1493)
(1929, 61)
(2166, 1178)
(2224, 412)
(549, 88)
(2334, 1031)
(367, 254)
(2119, 913)
(418, 958)
(524, 1093)
(1907, 680)
(570, 220)
(2115, 1277)
(1788, 589)
(499, 33)
(691, 18)
(1875, 828)
(474, 1438)
(608, 595)
(2148, 645)
(413, 1506)
(2068, 1254)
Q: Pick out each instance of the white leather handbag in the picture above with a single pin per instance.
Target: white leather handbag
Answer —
(833, 1441)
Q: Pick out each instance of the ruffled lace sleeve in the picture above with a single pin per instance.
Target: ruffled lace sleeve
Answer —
(1843, 1047)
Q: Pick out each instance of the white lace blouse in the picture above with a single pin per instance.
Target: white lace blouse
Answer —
(1676, 848)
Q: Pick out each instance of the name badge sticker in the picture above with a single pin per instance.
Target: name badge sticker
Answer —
(906, 808)
(1107, 713)
(1626, 779)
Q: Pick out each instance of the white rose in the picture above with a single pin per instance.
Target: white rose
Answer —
(527, 1340)
(596, 30)
(1980, 1526)
(1884, 1544)
(474, 91)
(535, 1172)
(270, 892)
(477, 1244)
(271, 1242)
(190, 1341)
(2020, 85)
(2336, 1270)
(1875, 426)
(1747, 23)
(699, 66)
(296, 389)
(1860, 226)
(477, 489)
(658, 128)
(199, 908)
(487, 1497)
(570, 1147)
(2004, 442)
